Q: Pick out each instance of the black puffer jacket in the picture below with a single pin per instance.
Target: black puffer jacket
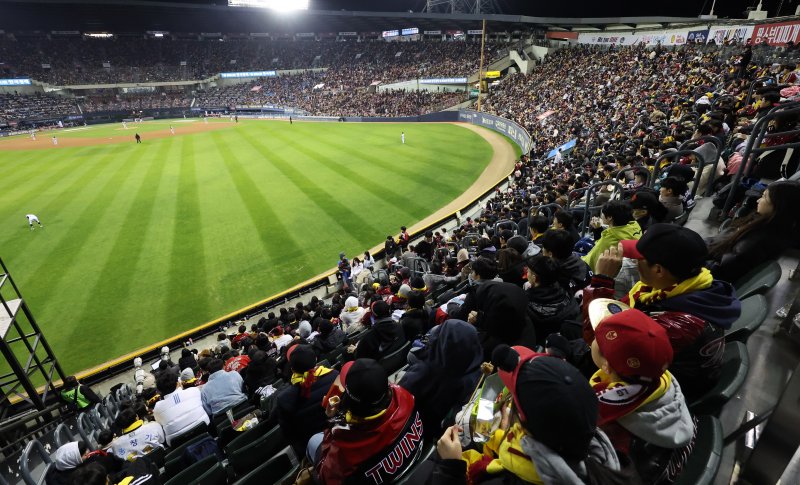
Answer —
(549, 307)
(382, 339)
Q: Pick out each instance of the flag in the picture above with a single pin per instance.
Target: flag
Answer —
(255, 88)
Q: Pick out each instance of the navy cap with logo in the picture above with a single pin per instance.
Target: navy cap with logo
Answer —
(678, 249)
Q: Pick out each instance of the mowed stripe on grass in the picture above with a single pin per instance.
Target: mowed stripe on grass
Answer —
(142, 242)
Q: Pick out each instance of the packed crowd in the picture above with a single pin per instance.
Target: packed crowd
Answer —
(80, 60)
(314, 94)
(134, 102)
(596, 347)
(15, 107)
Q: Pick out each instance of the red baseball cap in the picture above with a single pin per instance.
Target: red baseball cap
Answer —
(634, 345)
(509, 361)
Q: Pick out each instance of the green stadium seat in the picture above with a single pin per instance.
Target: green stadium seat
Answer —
(278, 469)
(248, 457)
(193, 473)
(220, 419)
(735, 365)
(703, 463)
(158, 455)
(754, 312)
(173, 462)
(397, 359)
(759, 280)
(408, 478)
(188, 435)
(247, 437)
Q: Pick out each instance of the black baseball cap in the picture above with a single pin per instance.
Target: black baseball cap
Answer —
(366, 387)
(676, 248)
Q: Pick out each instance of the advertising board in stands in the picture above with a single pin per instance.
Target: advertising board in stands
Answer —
(730, 33)
(227, 75)
(663, 37)
(557, 34)
(776, 34)
(443, 80)
(22, 81)
(390, 33)
(433, 32)
(348, 34)
(474, 32)
(410, 31)
(697, 36)
(506, 127)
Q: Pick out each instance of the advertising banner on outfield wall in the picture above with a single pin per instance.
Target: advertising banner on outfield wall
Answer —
(663, 37)
(501, 125)
(735, 34)
(776, 34)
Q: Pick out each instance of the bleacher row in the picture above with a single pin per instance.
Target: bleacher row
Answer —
(261, 455)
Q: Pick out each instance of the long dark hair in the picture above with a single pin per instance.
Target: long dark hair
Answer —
(785, 199)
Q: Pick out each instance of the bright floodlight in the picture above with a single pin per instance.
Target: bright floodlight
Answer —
(273, 4)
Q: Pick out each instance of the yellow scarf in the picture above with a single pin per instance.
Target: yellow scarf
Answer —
(135, 425)
(298, 378)
(642, 294)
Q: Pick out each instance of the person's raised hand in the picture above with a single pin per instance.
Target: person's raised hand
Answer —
(449, 445)
(610, 262)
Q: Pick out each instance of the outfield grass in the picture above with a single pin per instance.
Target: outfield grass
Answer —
(142, 242)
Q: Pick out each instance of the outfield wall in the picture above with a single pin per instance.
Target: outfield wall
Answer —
(323, 283)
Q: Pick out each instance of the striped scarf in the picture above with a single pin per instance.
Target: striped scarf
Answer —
(644, 295)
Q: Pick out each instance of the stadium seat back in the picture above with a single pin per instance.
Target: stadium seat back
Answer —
(754, 311)
(703, 463)
(257, 452)
(87, 430)
(735, 365)
(63, 435)
(192, 473)
(189, 435)
(278, 469)
(397, 359)
(35, 463)
(759, 280)
(247, 437)
(174, 462)
(409, 478)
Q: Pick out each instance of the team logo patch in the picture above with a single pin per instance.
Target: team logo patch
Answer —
(633, 362)
(611, 335)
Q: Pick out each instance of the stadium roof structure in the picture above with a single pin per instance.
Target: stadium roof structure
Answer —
(138, 15)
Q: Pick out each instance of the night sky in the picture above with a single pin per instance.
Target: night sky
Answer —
(580, 8)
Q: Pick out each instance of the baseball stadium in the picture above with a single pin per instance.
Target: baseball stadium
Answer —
(407, 241)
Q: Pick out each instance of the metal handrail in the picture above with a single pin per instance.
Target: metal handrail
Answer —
(753, 86)
(753, 146)
(679, 153)
(591, 193)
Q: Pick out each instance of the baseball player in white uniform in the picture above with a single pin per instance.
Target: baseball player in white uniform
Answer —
(403, 137)
(33, 135)
(124, 125)
(172, 129)
(55, 141)
(31, 219)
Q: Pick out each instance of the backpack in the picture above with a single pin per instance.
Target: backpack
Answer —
(203, 448)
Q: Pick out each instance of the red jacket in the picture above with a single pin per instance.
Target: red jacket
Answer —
(374, 451)
(695, 323)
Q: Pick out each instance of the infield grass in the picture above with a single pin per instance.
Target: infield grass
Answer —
(144, 241)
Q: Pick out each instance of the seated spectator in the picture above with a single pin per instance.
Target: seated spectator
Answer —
(141, 471)
(573, 272)
(564, 221)
(510, 266)
(537, 226)
(351, 316)
(384, 337)
(237, 339)
(187, 360)
(498, 310)
(280, 339)
(680, 294)
(330, 337)
(223, 389)
(138, 437)
(618, 216)
(647, 209)
(550, 436)
(188, 378)
(66, 459)
(671, 196)
(642, 408)
(222, 341)
(445, 372)
(757, 238)
(415, 320)
(76, 395)
(236, 362)
(377, 432)
(179, 410)
(261, 372)
(549, 304)
(298, 406)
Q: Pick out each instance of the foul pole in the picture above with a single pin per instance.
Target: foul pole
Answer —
(480, 70)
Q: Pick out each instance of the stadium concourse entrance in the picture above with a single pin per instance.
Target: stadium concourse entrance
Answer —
(28, 362)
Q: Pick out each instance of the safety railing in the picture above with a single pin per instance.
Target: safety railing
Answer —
(589, 195)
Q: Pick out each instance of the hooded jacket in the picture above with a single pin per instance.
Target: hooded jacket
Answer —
(326, 343)
(502, 316)
(375, 449)
(382, 339)
(610, 237)
(658, 436)
(549, 306)
(573, 273)
(351, 319)
(695, 322)
(446, 372)
(301, 417)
